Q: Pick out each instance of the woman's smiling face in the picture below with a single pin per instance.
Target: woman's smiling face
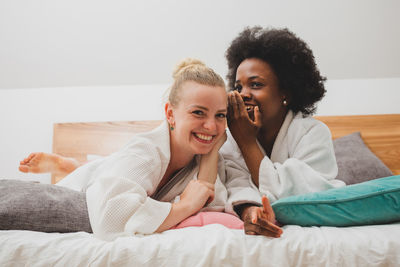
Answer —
(199, 119)
(258, 86)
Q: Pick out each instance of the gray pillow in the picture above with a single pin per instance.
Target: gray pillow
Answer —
(356, 162)
(42, 207)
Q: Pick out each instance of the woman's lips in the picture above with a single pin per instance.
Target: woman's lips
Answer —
(203, 138)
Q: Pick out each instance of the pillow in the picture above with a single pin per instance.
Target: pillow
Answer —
(356, 162)
(42, 207)
(211, 217)
(372, 202)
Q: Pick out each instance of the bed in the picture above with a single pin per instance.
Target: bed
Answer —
(212, 245)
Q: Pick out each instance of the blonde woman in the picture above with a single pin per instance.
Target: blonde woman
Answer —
(168, 174)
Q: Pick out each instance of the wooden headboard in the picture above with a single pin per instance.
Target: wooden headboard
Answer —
(381, 133)
(80, 140)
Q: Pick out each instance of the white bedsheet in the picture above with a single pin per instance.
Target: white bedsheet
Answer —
(212, 245)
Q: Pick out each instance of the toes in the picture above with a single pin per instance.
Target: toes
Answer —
(23, 168)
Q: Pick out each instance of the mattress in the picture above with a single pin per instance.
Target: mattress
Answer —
(211, 245)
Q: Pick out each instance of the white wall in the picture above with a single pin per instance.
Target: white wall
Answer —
(65, 61)
(27, 115)
(52, 43)
(361, 96)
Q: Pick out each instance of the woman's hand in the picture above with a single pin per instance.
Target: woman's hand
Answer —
(261, 220)
(196, 194)
(221, 140)
(193, 198)
(242, 127)
(244, 130)
(209, 162)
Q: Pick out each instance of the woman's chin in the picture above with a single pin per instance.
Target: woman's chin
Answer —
(202, 149)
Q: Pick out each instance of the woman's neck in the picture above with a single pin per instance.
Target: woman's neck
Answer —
(180, 156)
(268, 133)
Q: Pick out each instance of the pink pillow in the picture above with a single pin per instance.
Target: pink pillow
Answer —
(211, 217)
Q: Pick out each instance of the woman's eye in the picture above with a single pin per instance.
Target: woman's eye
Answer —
(238, 88)
(198, 112)
(256, 85)
(221, 115)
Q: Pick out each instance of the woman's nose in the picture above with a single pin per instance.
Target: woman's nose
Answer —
(210, 124)
(245, 93)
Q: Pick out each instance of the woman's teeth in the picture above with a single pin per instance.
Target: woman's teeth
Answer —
(249, 108)
(203, 137)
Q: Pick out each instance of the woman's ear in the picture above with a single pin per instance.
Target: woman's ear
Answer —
(285, 100)
(169, 113)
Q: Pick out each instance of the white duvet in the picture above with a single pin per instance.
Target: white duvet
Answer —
(212, 245)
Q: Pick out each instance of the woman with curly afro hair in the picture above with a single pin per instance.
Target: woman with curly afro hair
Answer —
(275, 148)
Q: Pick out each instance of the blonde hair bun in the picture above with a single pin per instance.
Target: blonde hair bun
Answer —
(185, 64)
(194, 70)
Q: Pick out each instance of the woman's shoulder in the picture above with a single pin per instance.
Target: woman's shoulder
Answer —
(307, 123)
(302, 126)
(154, 138)
(146, 144)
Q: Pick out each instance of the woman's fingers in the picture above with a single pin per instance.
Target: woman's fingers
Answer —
(256, 229)
(249, 232)
(197, 193)
(270, 226)
(257, 117)
(267, 207)
(220, 142)
(237, 105)
(211, 198)
(210, 190)
(259, 221)
(265, 203)
(233, 104)
(239, 110)
(254, 217)
(240, 105)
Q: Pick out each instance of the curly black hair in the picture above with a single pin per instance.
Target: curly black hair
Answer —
(291, 59)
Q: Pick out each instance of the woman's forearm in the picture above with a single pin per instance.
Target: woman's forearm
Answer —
(208, 168)
(253, 156)
(178, 213)
(192, 199)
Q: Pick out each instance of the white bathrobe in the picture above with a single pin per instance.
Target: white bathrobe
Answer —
(121, 188)
(302, 161)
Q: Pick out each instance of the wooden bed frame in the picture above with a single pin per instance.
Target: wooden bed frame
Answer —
(381, 133)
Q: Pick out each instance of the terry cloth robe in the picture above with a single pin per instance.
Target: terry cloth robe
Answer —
(302, 161)
(121, 189)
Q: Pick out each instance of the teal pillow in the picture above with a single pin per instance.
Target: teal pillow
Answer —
(372, 202)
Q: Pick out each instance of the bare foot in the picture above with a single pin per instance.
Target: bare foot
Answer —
(40, 162)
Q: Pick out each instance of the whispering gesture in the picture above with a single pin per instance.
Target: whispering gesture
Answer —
(243, 128)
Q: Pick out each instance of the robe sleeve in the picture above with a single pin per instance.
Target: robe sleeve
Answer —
(120, 207)
(220, 193)
(310, 168)
(238, 182)
(118, 195)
